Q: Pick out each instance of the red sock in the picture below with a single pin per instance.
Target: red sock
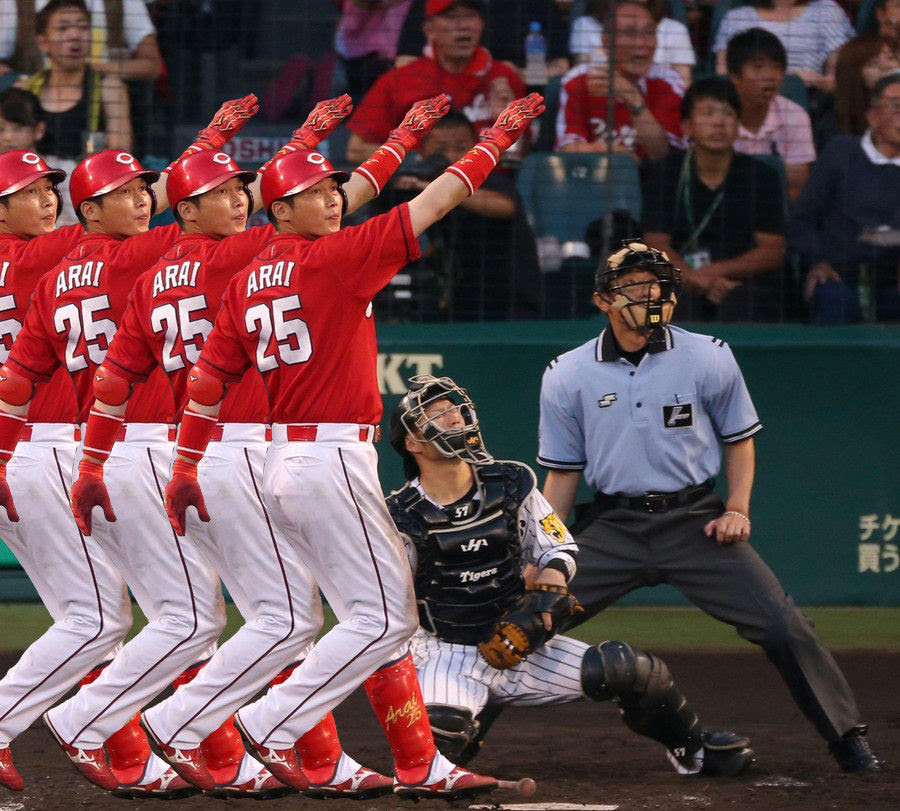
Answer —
(396, 698)
(128, 749)
(223, 750)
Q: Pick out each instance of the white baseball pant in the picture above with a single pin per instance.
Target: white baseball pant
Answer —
(172, 582)
(325, 497)
(74, 577)
(273, 590)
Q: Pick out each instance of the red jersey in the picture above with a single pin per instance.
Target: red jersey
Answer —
(75, 309)
(171, 312)
(22, 263)
(301, 312)
(582, 115)
(384, 106)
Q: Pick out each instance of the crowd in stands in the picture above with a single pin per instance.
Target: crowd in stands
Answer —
(758, 143)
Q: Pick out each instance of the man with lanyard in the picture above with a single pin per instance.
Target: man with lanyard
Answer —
(641, 410)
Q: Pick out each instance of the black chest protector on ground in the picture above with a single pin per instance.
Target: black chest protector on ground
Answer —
(469, 569)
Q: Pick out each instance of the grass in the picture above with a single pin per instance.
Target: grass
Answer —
(653, 628)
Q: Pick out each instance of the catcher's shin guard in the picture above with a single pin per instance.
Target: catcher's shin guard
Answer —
(642, 686)
(397, 701)
(454, 729)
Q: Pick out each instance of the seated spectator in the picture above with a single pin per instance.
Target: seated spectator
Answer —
(770, 123)
(506, 26)
(853, 189)
(366, 39)
(458, 66)
(646, 117)
(673, 42)
(83, 111)
(810, 30)
(483, 255)
(718, 214)
(123, 39)
(22, 127)
(860, 64)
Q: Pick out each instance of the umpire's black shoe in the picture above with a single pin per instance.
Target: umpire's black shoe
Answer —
(852, 751)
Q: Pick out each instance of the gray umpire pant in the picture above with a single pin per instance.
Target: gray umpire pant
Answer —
(622, 550)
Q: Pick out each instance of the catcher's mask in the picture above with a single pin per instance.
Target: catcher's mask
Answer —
(463, 441)
(646, 307)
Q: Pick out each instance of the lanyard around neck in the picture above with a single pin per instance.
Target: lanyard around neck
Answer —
(684, 194)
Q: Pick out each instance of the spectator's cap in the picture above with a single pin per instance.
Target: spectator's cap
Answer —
(200, 172)
(435, 7)
(295, 171)
(21, 167)
(104, 171)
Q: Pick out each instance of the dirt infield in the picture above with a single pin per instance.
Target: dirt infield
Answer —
(581, 754)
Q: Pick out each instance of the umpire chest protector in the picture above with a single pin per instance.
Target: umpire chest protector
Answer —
(469, 567)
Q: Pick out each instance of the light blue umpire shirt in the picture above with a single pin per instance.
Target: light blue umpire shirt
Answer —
(650, 428)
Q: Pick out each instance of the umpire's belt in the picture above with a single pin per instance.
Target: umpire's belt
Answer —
(655, 502)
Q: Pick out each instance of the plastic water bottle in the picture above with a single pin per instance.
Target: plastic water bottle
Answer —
(535, 57)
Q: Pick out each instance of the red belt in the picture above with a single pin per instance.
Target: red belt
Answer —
(219, 430)
(309, 433)
(123, 432)
(25, 436)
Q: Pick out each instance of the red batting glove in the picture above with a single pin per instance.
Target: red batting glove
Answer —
(419, 121)
(226, 123)
(6, 499)
(183, 491)
(89, 491)
(513, 121)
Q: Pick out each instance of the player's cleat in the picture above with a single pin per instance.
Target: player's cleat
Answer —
(363, 784)
(459, 784)
(90, 762)
(187, 763)
(9, 777)
(283, 763)
(169, 786)
(265, 786)
(723, 754)
(852, 751)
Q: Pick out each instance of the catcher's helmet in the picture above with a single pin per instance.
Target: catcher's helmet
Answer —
(657, 311)
(201, 172)
(409, 416)
(21, 167)
(295, 171)
(104, 171)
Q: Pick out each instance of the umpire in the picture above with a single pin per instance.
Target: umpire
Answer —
(641, 410)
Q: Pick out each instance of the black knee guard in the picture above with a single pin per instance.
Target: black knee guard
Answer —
(454, 730)
(640, 683)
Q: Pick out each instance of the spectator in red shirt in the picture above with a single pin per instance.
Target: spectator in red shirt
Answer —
(457, 65)
(647, 118)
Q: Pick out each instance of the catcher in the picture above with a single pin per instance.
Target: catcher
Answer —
(491, 561)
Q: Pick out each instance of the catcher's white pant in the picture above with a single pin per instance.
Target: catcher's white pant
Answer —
(172, 582)
(457, 675)
(79, 586)
(325, 497)
(275, 592)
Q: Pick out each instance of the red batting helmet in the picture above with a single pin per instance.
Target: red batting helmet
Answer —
(201, 172)
(20, 167)
(295, 171)
(104, 171)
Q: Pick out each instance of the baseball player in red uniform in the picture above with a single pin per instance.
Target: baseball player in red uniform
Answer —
(70, 324)
(302, 314)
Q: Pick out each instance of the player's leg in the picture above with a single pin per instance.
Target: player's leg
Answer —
(85, 595)
(733, 584)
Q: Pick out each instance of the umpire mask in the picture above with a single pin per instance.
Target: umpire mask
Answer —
(460, 438)
(646, 306)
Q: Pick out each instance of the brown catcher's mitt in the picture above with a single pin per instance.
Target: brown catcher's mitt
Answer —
(521, 630)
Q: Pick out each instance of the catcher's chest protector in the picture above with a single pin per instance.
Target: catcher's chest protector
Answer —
(469, 567)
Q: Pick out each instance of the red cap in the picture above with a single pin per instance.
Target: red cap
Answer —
(295, 171)
(104, 171)
(435, 7)
(200, 172)
(21, 167)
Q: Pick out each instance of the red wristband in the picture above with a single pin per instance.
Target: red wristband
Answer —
(194, 434)
(474, 167)
(11, 426)
(100, 433)
(378, 169)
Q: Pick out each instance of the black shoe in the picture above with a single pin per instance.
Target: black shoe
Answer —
(852, 751)
(723, 754)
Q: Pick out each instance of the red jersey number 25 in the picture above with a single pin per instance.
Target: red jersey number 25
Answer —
(292, 341)
(180, 322)
(80, 320)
